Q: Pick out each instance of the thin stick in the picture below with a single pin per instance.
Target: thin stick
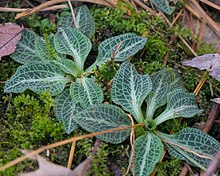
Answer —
(73, 15)
(186, 149)
(200, 84)
(152, 6)
(57, 144)
(188, 46)
(214, 165)
(190, 9)
(134, 5)
(29, 3)
(201, 32)
(177, 17)
(165, 18)
(132, 138)
(141, 4)
(53, 2)
(211, 4)
(116, 50)
(212, 117)
(210, 21)
(197, 27)
(55, 7)
(71, 155)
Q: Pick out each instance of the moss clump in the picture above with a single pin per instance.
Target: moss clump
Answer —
(171, 166)
(27, 124)
(104, 76)
(100, 161)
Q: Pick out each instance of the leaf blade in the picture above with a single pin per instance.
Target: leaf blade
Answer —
(65, 109)
(72, 42)
(68, 66)
(148, 152)
(130, 45)
(129, 89)
(164, 6)
(101, 117)
(163, 82)
(179, 104)
(192, 145)
(26, 51)
(84, 19)
(86, 92)
(38, 77)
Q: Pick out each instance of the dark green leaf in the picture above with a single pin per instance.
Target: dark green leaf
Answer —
(129, 89)
(148, 152)
(65, 109)
(101, 117)
(192, 145)
(38, 77)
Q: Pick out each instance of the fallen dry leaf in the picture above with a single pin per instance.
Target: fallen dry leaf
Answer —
(10, 34)
(216, 100)
(82, 169)
(47, 168)
(209, 62)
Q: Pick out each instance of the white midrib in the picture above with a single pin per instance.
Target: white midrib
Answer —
(133, 97)
(153, 102)
(127, 48)
(76, 55)
(50, 79)
(87, 92)
(191, 159)
(168, 115)
(147, 149)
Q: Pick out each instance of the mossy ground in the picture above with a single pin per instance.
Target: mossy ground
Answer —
(27, 120)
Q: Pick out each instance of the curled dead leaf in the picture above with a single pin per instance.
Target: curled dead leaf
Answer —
(209, 62)
(47, 168)
(216, 100)
(10, 34)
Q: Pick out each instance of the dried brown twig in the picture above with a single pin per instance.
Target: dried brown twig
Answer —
(53, 2)
(214, 165)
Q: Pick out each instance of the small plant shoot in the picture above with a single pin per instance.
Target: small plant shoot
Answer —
(56, 64)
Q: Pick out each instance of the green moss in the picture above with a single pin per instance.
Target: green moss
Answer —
(206, 49)
(171, 166)
(83, 148)
(119, 22)
(104, 76)
(100, 161)
(155, 49)
(28, 124)
(173, 126)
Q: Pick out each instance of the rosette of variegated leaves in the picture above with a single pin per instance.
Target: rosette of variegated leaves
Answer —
(56, 63)
(163, 91)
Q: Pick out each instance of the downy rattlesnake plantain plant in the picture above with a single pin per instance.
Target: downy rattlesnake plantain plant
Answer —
(46, 66)
(162, 88)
